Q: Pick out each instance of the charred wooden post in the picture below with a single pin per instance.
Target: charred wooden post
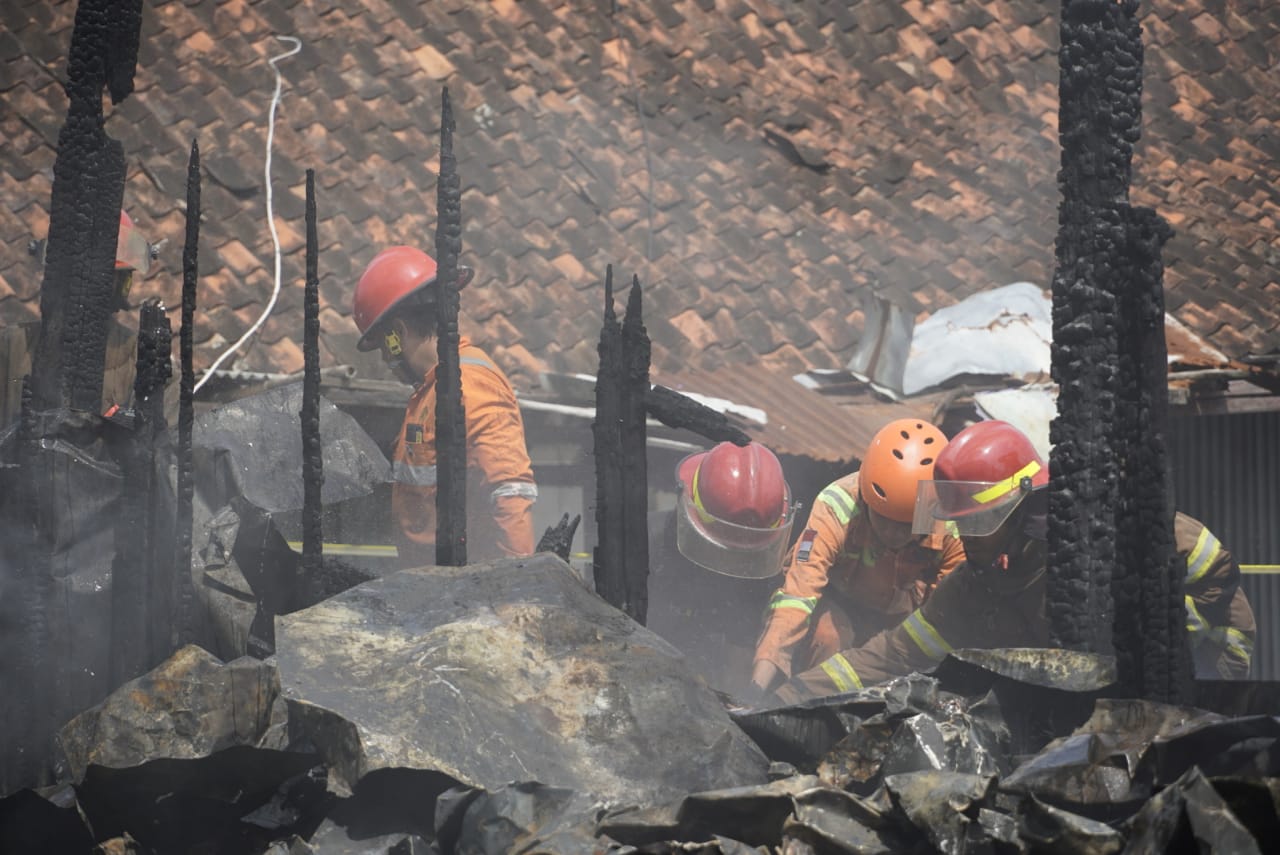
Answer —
(77, 295)
(1108, 503)
(312, 459)
(140, 600)
(186, 396)
(608, 561)
(632, 445)
(680, 411)
(451, 426)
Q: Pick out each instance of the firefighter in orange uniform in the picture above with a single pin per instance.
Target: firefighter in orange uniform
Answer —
(714, 559)
(395, 310)
(857, 568)
(990, 483)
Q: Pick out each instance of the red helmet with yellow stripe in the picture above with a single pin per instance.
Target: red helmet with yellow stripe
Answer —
(735, 512)
(980, 478)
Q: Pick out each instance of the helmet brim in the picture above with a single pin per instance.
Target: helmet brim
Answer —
(369, 339)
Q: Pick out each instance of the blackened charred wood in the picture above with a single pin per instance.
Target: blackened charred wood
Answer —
(1093, 182)
(139, 598)
(558, 538)
(1152, 655)
(186, 398)
(77, 295)
(608, 561)
(680, 411)
(635, 472)
(312, 460)
(1113, 581)
(451, 427)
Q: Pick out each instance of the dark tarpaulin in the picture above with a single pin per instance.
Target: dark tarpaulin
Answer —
(78, 463)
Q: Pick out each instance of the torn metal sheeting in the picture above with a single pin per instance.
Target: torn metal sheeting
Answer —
(192, 705)
(503, 672)
(260, 439)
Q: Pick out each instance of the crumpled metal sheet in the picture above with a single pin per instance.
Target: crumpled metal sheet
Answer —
(1190, 815)
(1051, 829)
(519, 818)
(191, 705)
(754, 815)
(505, 672)
(1042, 693)
(802, 734)
(942, 806)
(1096, 763)
(832, 820)
(260, 439)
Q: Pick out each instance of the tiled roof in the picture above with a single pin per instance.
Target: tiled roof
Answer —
(756, 163)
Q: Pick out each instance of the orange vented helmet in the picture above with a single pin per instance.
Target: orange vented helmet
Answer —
(900, 456)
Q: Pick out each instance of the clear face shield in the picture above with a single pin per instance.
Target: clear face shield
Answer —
(734, 550)
(975, 508)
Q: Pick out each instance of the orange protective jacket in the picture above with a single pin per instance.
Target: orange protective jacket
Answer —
(984, 610)
(500, 485)
(839, 554)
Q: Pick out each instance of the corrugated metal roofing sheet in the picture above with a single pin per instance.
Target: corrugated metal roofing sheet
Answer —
(800, 421)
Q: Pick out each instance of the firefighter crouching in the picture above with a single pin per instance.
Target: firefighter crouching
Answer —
(858, 568)
(395, 309)
(990, 483)
(714, 559)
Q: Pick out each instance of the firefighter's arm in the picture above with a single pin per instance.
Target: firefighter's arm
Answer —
(787, 617)
(916, 644)
(496, 446)
(950, 557)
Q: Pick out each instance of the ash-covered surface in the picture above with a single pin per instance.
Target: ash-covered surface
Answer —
(458, 710)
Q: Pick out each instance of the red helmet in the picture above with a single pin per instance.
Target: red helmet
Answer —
(735, 511)
(393, 275)
(900, 456)
(132, 250)
(981, 478)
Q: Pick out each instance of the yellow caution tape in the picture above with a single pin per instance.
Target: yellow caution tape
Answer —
(368, 550)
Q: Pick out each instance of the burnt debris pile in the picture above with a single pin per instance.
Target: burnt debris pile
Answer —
(503, 708)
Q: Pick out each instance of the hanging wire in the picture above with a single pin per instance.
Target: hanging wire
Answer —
(271, 217)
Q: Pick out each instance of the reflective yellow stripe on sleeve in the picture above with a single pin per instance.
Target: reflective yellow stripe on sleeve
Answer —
(1202, 555)
(1196, 624)
(1235, 642)
(842, 674)
(837, 498)
(931, 644)
(783, 600)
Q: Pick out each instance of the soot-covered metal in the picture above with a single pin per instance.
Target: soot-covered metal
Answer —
(1110, 522)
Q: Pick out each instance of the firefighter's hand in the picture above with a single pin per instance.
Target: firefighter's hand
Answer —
(765, 675)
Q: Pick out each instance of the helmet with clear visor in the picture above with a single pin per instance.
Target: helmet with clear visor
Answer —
(734, 513)
(980, 479)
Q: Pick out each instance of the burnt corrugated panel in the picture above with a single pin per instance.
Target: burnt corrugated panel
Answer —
(800, 421)
(1226, 472)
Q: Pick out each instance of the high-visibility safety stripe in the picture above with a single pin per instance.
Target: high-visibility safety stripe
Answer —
(1202, 555)
(367, 550)
(842, 674)
(930, 642)
(837, 498)
(1195, 621)
(1260, 568)
(1007, 486)
(475, 360)
(523, 489)
(1234, 642)
(781, 600)
(403, 472)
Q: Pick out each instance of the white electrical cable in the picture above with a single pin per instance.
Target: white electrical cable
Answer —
(271, 216)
